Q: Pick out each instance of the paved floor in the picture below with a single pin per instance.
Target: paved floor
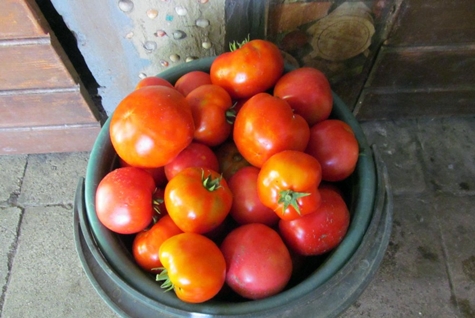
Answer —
(428, 269)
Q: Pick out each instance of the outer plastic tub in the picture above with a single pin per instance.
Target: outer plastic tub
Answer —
(327, 291)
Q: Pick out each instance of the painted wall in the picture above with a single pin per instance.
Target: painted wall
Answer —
(123, 41)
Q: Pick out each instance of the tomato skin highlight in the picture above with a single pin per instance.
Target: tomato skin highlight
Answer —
(195, 265)
(192, 206)
(147, 243)
(321, 231)
(209, 105)
(195, 155)
(189, 81)
(253, 68)
(266, 125)
(151, 125)
(259, 264)
(308, 92)
(289, 174)
(123, 200)
(247, 207)
(333, 143)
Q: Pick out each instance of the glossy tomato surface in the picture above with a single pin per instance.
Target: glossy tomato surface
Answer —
(151, 125)
(147, 243)
(308, 92)
(288, 184)
(321, 231)
(191, 80)
(258, 262)
(194, 265)
(333, 143)
(195, 155)
(253, 68)
(209, 106)
(198, 199)
(266, 125)
(123, 200)
(247, 207)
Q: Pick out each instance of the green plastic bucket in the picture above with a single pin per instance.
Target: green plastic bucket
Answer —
(327, 290)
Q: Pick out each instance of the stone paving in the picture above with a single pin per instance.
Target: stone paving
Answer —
(428, 269)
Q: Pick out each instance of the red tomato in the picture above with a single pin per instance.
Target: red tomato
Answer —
(230, 159)
(321, 231)
(258, 262)
(151, 125)
(153, 81)
(195, 155)
(308, 92)
(158, 174)
(198, 199)
(266, 125)
(194, 267)
(209, 106)
(247, 207)
(124, 200)
(147, 243)
(288, 184)
(189, 81)
(333, 143)
(251, 69)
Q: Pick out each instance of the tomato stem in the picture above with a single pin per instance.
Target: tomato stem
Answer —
(209, 183)
(237, 45)
(289, 197)
(231, 114)
(163, 276)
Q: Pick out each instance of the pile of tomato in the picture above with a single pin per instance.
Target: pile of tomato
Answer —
(228, 179)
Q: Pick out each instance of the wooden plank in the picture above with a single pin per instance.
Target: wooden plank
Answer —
(378, 106)
(48, 139)
(424, 68)
(18, 22)
(44, 108)
(434, 22)
(32, 66)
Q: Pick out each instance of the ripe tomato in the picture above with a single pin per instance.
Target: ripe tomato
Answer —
(258, 262)
(321, 231)
(151, 125)
(198, 199)
(158, 174)
(153, 81)
(266, 125)
(147, 243)
(288, 184)
(247, 207)
(194, 267)
(191, 80)
(308, 92)
(195, 155)
(333, 143)
(230, 159)
(124, 200)
(209, 106)
(253, 68)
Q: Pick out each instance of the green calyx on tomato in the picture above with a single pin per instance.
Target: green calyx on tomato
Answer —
(231, 114)
(233, 46)
(209, 183)
(290, 197)
(167, 284)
